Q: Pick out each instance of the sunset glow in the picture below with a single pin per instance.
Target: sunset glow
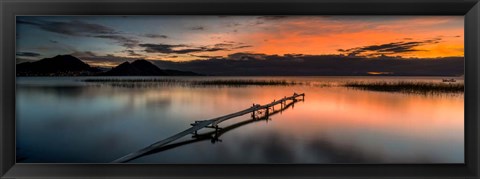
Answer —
(107, 41)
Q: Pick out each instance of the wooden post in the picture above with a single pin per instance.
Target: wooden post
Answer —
(273, 107)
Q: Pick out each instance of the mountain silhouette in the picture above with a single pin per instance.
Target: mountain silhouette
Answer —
(144, 68)
(68, 65)
(60, 65)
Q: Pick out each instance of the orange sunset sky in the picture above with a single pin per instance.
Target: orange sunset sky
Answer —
(186, 38)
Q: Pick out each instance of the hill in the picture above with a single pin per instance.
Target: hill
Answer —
(68, 65)
(60, 65)
(144, 68)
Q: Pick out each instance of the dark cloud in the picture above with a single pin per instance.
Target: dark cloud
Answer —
(73, 28)
(197, 28)
(122, 40)
(179, 49)
(242, 46)
(247, 56)
(132, 53)
(231, 45)
(206, 56)
(53, 41)
(27, 54)
(83, 54)
(389, 48)
(155, 36)
(80, 29)
(250, 64)
(224, 45)
(160, 48)
(307, 65)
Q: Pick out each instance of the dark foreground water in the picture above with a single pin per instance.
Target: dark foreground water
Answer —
(65, 120)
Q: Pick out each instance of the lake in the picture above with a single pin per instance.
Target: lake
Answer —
(68, 120)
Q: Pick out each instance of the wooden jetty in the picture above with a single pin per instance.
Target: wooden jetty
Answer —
(214, 136)
(212, 123)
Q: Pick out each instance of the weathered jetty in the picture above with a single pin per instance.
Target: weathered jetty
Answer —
(213, 123)
(214, 136)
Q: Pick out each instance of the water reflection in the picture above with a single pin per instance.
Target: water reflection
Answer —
(66, 120)
(214, 136)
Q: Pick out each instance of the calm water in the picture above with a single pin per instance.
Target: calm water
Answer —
(65, 120)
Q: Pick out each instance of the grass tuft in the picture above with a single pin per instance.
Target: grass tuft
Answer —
(408, 87)
(160, 82)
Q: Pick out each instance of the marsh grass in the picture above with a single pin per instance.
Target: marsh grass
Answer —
(402, 86)
(408, 87)
(245, 83)
(191, 83)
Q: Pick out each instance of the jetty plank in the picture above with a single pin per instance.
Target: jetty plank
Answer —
(203, 124)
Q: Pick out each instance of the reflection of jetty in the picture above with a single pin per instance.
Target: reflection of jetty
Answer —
(213, 136)
(255, 110)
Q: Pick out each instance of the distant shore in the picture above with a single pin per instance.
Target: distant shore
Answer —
(400, 86)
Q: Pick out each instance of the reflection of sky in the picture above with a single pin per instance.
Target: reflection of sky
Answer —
(210, 36)
(332, 125)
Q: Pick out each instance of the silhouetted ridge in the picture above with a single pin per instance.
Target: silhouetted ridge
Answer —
(60, 65)
(144, 68)
(136, 68)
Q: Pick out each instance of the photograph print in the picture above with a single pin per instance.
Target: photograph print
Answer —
(240, 89)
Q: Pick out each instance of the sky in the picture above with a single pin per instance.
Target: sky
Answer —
(109, 40)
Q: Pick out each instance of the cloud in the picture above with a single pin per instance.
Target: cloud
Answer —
(242, 46)
(132, 53)
(80, 29)
(388, 48)
(231, 45)
(197, 28)
(307, 65)
(160, 48)
(155, 36)
(179, 49)
(27, 54)
(73, 28)
(206, 56)
(247, 56)
(83, 54)
(122, 40)
(224, 45)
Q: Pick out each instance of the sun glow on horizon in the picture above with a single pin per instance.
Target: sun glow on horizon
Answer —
(109, 40)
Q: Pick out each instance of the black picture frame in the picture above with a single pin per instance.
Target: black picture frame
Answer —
(469, 8)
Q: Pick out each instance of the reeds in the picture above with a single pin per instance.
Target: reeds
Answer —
(245, 83)
(152, 82)
(402, 86)
(408, 87)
